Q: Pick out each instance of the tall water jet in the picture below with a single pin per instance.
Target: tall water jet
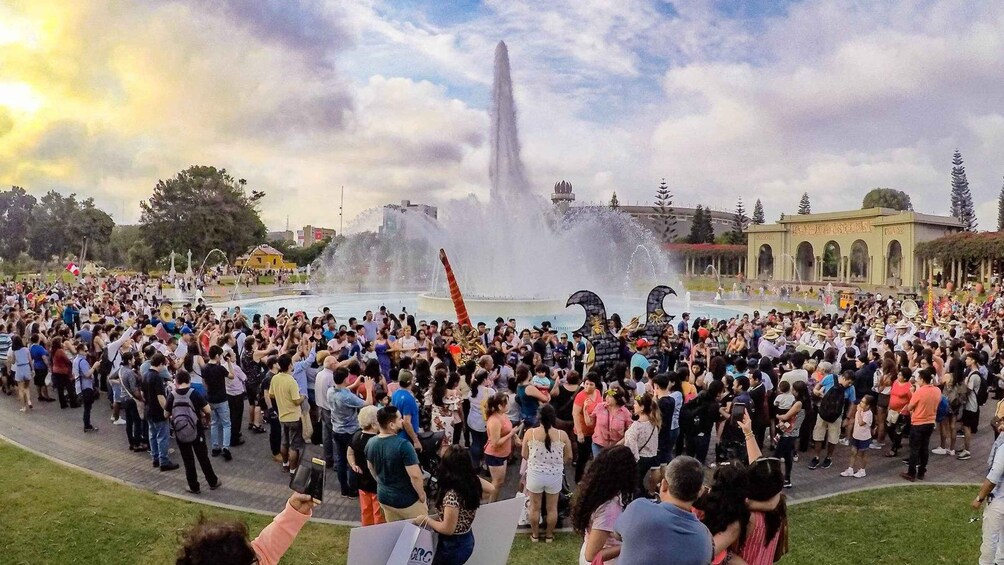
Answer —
(514, 253)
(505, 168)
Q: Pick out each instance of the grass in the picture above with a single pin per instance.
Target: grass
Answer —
(53, 514)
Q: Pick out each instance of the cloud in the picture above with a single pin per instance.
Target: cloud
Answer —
(388, 99)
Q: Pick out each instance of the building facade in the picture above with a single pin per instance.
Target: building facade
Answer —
(564, 200)
(264, 258)
(392, 215)
(874, 246)
(310, 235)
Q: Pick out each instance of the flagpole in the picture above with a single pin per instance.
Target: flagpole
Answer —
(341, 211)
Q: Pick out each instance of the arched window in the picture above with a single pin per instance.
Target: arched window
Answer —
(831, 260)
(765, 262)
(859, 260)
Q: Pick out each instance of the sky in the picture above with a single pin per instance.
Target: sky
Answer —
(388, 98)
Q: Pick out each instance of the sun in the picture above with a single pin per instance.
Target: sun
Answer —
(20, 97)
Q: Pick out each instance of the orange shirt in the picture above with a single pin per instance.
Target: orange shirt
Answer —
(506, 426)
(924, 405)
(586, 402)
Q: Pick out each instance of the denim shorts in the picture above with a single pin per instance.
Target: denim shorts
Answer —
(117, 395)
(493, 461)
(861, 444)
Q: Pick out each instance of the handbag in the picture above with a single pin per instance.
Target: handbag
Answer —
(308, 426)
(415, 546)
(995, 422)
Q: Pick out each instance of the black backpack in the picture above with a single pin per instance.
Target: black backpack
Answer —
(983, 393)
(831, 408)
(184, 420)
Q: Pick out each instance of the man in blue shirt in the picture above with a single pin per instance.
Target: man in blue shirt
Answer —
(829, 432)
(992, 492)
(406, 404)
(344, 406)
(40, 363)
(667, 532)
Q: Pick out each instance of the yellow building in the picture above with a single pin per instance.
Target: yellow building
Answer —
(264, 258)
(874, 246)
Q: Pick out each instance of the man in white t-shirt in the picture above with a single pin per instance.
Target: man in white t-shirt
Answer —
(796, 372)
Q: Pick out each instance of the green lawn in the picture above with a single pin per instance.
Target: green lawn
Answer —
(53, 514)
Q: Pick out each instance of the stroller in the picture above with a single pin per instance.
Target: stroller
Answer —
(428, 460)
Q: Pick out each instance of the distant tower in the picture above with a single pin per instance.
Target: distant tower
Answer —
(562, 197)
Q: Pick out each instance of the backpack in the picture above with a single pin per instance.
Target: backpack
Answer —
(691, 417)
(184, 420)
(832, 405)
(943, 408)
(983, 393)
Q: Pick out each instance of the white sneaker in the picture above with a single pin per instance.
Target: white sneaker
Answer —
(939, 451)
(844, 441)
(951, 452)
(119, 422)
(849, 472)
(860, 474)
(795, 458)
(875, 446)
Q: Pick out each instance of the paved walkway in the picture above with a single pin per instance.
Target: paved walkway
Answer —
(253, 481)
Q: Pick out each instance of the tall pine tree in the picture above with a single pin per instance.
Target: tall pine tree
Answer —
(1000, 211)
(614, 203)
(803, 204)
(758, 215)
(665, 221)
(701, 230)
(962, 199)
(740, 222)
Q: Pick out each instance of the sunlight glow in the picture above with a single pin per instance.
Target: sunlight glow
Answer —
(20, 96)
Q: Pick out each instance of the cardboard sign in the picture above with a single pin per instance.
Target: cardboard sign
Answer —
(494, 528)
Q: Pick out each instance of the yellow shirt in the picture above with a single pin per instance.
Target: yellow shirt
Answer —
(286, 392)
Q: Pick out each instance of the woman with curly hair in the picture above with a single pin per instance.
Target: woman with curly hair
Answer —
(461, 491)
(227, 542)
(606, 488)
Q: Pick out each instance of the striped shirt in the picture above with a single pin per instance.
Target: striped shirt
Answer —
(4, 346)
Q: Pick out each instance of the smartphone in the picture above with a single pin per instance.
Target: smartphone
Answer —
(309, 479)
(738, 409)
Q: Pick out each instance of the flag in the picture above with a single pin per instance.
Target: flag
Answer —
(73, 269)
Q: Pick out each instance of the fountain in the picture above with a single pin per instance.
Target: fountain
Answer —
(513, 255)
(633, 283)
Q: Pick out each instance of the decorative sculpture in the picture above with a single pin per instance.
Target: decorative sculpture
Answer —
(469, 346)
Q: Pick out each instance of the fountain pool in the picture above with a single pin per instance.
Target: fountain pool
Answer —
(346, 305)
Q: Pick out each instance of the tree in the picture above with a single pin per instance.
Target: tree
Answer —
(962, 199)
(665, 222)
(737, 235)
(1000, 211)
(92, 226)
(758, 216)
(614, 203)
(701, 230)
(200, 209)
(61, 224)
(16, 206)
(803, 204)
(887, 198)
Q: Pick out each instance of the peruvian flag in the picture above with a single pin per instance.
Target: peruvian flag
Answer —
(73, 268)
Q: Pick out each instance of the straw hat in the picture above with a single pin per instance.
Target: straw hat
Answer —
(771, 334)
(95, 318)
(822, 333)
(149, 330)
(901, 325)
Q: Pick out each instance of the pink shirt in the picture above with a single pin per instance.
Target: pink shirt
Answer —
(272, 543)
(610, 426)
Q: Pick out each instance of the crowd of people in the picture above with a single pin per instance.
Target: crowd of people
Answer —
(415, 429)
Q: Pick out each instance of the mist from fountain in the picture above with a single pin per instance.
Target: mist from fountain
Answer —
(514, 246)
